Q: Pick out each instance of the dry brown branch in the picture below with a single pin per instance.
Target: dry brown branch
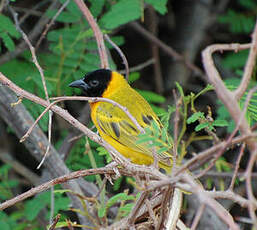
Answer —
(221, 212)
(232, 183)
(54, 222)
(226, 96)
(197, 218)
(51, 183)
(251, 61)
(228, 142)
(97, 32)
(252, 200)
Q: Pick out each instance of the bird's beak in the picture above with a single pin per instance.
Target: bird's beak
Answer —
(79, 84)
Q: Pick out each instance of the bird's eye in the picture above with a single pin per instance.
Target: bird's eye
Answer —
(94, 83)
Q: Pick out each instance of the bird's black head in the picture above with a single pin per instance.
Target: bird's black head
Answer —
(94, 83)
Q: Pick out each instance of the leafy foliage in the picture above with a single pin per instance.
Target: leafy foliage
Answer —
(118, 198)
(251, 112)
(204, 122)
(8, 32)
(243, 21)
(130, 10)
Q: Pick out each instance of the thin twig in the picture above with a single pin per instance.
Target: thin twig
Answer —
(167, 194)
(123, 57)
(241, 152)
(198, 215)
(32, 50)
(51, 205)
(139, 67)
(132, 216)
(151, 213)
(48, 25)
(249, 190)
(176, 123)
(206, 154)
(40, 70)
(54, 222)
(51, 183)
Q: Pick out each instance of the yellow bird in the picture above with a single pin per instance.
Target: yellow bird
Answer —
(113, 124)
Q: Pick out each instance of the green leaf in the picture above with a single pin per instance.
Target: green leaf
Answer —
(96, 7)
(117, 183)
(158, 5)
(163, 149)
(120, 13)
(195, 117)
(133, 77)
(119, 197)
(61, 203)
(126, 209)
(235, 60)
(5, 226)
(151, 96)
(145, 139)
(7, 26)
(220, 123)
(103, 152)
(4, 169)
(180, 89)
(158, 110)
(61, 191)
(238, 22)
(65, 17)
(8, 42)
(101, 212)
(249, 4)
(201, 126)
(9, 183)
(34, 206)
(72, 7)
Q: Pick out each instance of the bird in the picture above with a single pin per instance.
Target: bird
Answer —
(114, 125)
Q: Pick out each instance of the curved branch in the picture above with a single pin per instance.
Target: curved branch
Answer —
(251, 61)
(225, 95)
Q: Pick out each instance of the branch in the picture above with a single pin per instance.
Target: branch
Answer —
(251, 61)
(98, 34)
(51, 183)
(226, 96)
(123, 57)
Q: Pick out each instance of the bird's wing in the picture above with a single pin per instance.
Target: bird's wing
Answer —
(116, 124)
